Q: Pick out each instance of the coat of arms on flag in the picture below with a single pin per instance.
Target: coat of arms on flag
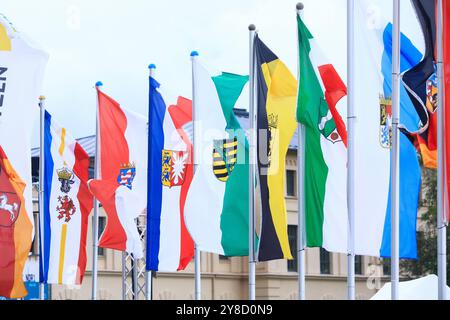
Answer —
(432, 93)
(65, 176)
(126, 175)
(224, 157)
(328, 129)
(173, 168)
(385, 122)
(9, 208)
(9, 202)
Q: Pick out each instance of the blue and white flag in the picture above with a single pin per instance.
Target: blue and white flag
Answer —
(373, 91)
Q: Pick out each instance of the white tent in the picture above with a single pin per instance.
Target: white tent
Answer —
(420, 289)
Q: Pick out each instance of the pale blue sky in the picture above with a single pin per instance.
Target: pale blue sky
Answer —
(114, 41)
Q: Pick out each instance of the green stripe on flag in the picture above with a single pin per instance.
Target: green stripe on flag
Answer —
(234, 218)
(312, 107)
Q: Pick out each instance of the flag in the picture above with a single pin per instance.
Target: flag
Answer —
(169, 245)
(321, 89)
(67, 205)
(21, 74)
(373, 103)
(217, 205)
(276, 105)
(122, 185)
(446, 37)
(15, 230)
(421, 83)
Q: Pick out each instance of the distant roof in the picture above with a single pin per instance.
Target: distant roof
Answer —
(88, 143)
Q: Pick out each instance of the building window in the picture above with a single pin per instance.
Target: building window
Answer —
(387, 267)
(325, 261)
(359, 265)
(35, 244)
(292, 235)
(291, 179)
(101, 228)
(91, 168)
(223, 258)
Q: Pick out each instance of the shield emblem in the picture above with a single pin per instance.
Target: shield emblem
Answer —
(126, 175)
(174, 166)
(224, 158)
(9, 202)
(385, 122)
(432, 94)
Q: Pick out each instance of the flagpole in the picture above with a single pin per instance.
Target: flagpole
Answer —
(395, 156)
(148, 274)
(41, 185)
(301, 274)
(351, 121)
(441, 223)
(98, 85)
(197, 252)
(252, 169)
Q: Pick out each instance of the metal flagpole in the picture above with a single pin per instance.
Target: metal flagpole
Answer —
(148, 274)
(395, 225)
(197, 252)
(252, 169)
(41, 184)
(98, 85)
(441, 224)
(301, 190)
(351, 120)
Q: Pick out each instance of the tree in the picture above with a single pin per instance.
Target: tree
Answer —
(427, 232)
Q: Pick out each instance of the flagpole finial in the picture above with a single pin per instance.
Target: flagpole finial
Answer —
(41, 98)
(99, 84)
(300, 6)
(252, 27)
(152, 66)
(194, 54)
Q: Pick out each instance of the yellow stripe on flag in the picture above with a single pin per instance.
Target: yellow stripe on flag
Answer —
(281, 105)
(63, 143)
(62, 252)
(5, 42)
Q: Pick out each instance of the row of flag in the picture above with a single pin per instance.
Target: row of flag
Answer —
(194, 188)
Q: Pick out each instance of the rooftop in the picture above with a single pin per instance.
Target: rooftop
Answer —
(88, 143)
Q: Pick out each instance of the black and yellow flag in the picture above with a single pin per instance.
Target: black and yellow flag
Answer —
(277, 98)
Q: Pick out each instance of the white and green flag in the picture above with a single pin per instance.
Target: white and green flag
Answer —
(216, 210)
(321, 111)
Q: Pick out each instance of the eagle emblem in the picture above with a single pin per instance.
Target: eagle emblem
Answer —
(224, 158)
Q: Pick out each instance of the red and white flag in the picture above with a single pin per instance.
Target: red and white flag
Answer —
(122, 183)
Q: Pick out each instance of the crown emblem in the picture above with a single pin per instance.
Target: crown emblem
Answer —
(385, 101)
(64, 174)
(127, 166)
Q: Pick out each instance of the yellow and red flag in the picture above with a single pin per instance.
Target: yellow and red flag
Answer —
(16, 231)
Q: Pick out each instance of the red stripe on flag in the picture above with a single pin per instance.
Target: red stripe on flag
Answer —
(85, 198)
(335, 90)
(114, 153)
(7, 259)
(181, 115)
